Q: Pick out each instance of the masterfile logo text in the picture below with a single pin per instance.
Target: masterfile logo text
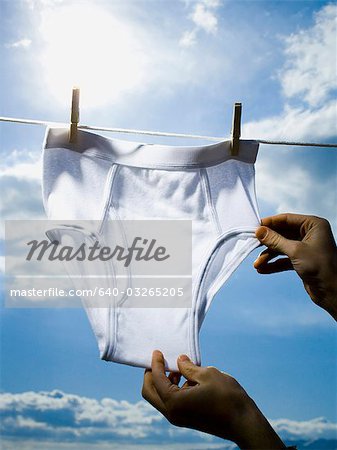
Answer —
(115, 263)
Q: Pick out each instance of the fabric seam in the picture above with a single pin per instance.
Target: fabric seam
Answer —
(167, 166)
(109, 185)
(251, 245)
(203, 273)
(208, 197)
(111, 315)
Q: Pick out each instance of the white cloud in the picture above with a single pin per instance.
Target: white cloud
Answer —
(188, 39)
(311, 69)
(310, 76)
(20, 180)
(318, 428)
(296, 124)
(73, 416)
(44, 445)
(21, 199)
(22, 165)
(212, 3)
(283, 179)
(68, 416)
(22, 43)
(59, 417)
(283, 182)
(32, 4)
(204, 18)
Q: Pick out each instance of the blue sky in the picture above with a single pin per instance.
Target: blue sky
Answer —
(176, 66)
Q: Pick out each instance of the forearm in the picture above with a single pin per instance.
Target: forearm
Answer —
(330, 301)
(324, 292)
(330, 305)
(256, 433)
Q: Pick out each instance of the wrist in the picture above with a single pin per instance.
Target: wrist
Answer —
(328, 300)
(330, 305)
(255, 432)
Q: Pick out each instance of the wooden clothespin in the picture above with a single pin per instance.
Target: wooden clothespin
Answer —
(75, 115)
(236, 129)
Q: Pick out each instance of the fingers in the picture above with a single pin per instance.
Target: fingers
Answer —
(161, 382)
(295, 226)
(174, 377)
(150, 393)
(263, 265)
(288, 220)
(275, 241)
(280, 265)
(189, 370)
(264, 257)
(188, 384)
(158, 388)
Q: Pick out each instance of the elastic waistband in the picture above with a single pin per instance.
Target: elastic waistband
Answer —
(149, 155)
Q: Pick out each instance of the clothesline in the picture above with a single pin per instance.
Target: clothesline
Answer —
(159, 133)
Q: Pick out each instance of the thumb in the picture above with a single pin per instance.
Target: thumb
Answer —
(188, 369)
(274, 241)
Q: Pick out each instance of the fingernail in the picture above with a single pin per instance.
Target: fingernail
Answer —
(157, 351)
(183, 358)
(261, 233)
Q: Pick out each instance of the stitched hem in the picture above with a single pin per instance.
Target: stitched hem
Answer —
(209, 201)
(150, 155)
(224, 274)
(105, 213)
(232, 266)
(108, 195)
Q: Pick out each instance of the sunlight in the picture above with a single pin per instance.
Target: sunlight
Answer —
(86, 46)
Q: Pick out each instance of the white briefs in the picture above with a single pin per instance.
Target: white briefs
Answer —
(100, 179)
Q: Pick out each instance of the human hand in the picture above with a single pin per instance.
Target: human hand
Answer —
(311, 251)
(209, 401)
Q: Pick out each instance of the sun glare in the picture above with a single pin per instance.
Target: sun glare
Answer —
(88, 47)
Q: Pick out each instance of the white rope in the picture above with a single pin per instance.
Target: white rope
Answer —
(302, 144)
(160, 133)
(31, 121)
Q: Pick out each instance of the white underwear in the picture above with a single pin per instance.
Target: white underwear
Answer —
(100, 179)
